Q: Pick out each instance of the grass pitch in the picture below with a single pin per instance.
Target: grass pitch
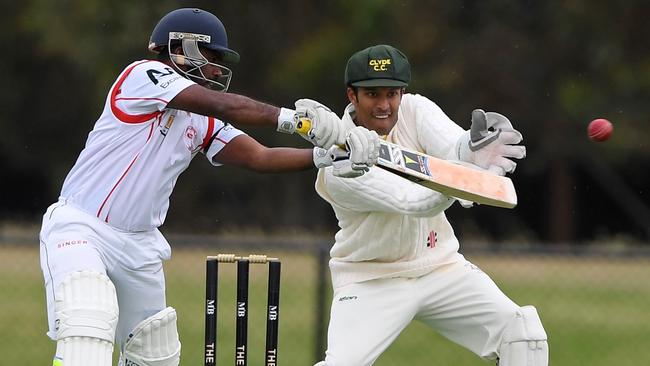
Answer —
(595, 310)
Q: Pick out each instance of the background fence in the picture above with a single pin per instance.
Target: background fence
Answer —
(594, 303)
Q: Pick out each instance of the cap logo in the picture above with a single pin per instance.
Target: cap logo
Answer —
(380, 65)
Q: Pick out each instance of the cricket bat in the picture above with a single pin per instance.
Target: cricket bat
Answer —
(447, 177)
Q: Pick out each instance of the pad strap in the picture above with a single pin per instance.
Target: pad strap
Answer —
(86, 306)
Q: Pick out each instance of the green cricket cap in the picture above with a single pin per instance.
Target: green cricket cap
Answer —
(380, 65)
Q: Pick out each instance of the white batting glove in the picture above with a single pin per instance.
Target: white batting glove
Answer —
(327, 129)
(363, 152)
(491, 143)
(363, 146)
(338, 159)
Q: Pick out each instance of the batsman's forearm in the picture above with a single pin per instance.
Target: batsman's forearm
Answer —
(239, 109)
(283, 159)
(234, 108)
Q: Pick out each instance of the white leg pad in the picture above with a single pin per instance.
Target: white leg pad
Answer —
(86, 318)
(154, 342)
(524, 342)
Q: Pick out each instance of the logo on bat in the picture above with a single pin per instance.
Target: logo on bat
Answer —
(416, 162)
(397, 156)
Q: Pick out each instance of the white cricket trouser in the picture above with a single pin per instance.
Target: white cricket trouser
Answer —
(72, 240)
(459, 301)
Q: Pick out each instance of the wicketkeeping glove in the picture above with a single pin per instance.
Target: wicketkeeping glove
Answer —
(491, 143)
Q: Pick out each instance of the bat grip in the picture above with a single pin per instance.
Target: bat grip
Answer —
(303, 126)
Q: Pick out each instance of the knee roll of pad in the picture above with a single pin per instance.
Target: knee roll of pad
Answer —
(154, 342)
(86, 306)
(524, 341)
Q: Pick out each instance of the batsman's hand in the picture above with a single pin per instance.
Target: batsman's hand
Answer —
(363, 146)
(362, 152)
(491, 143)
(327, 129)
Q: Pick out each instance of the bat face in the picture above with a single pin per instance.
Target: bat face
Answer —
(447, 177)
(443, 176)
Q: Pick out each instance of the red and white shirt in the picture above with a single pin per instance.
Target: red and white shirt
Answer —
(138, 148)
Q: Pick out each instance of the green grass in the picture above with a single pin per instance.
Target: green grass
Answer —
(595, 311)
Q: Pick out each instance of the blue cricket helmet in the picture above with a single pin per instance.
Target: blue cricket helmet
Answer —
(204, 26)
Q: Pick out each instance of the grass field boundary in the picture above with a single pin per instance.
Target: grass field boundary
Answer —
(314, 244)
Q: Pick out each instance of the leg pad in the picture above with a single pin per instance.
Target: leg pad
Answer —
(154, 342)
(86, 313)
(524, 341)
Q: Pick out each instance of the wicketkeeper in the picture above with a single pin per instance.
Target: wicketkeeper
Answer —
(101, 252)
(395, 258)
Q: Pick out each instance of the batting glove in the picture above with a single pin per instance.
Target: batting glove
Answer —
(327, 129)
(362, 153)
(363, 146)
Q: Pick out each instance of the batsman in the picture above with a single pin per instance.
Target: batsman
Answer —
(395, 258)
(101, 251)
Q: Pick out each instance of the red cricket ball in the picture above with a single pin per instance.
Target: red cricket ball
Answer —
(600, 129)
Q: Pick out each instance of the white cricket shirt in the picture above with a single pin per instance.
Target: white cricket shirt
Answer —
(138, 147)
(389, 226)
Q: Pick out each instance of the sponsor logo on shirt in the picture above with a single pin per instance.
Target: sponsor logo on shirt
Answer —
(347, 298)
(167, 83)
(71, 243)
(157, 75)
(167, 126)
(189, 137)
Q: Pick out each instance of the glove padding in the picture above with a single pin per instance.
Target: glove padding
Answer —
(363, 146)
(339, 159)
(362, 153)
(490, 143)
(327, 129)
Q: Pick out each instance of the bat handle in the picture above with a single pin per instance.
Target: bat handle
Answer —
(303, 126)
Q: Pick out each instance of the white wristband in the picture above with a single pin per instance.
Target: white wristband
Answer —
(321, 158)
(286, 121)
